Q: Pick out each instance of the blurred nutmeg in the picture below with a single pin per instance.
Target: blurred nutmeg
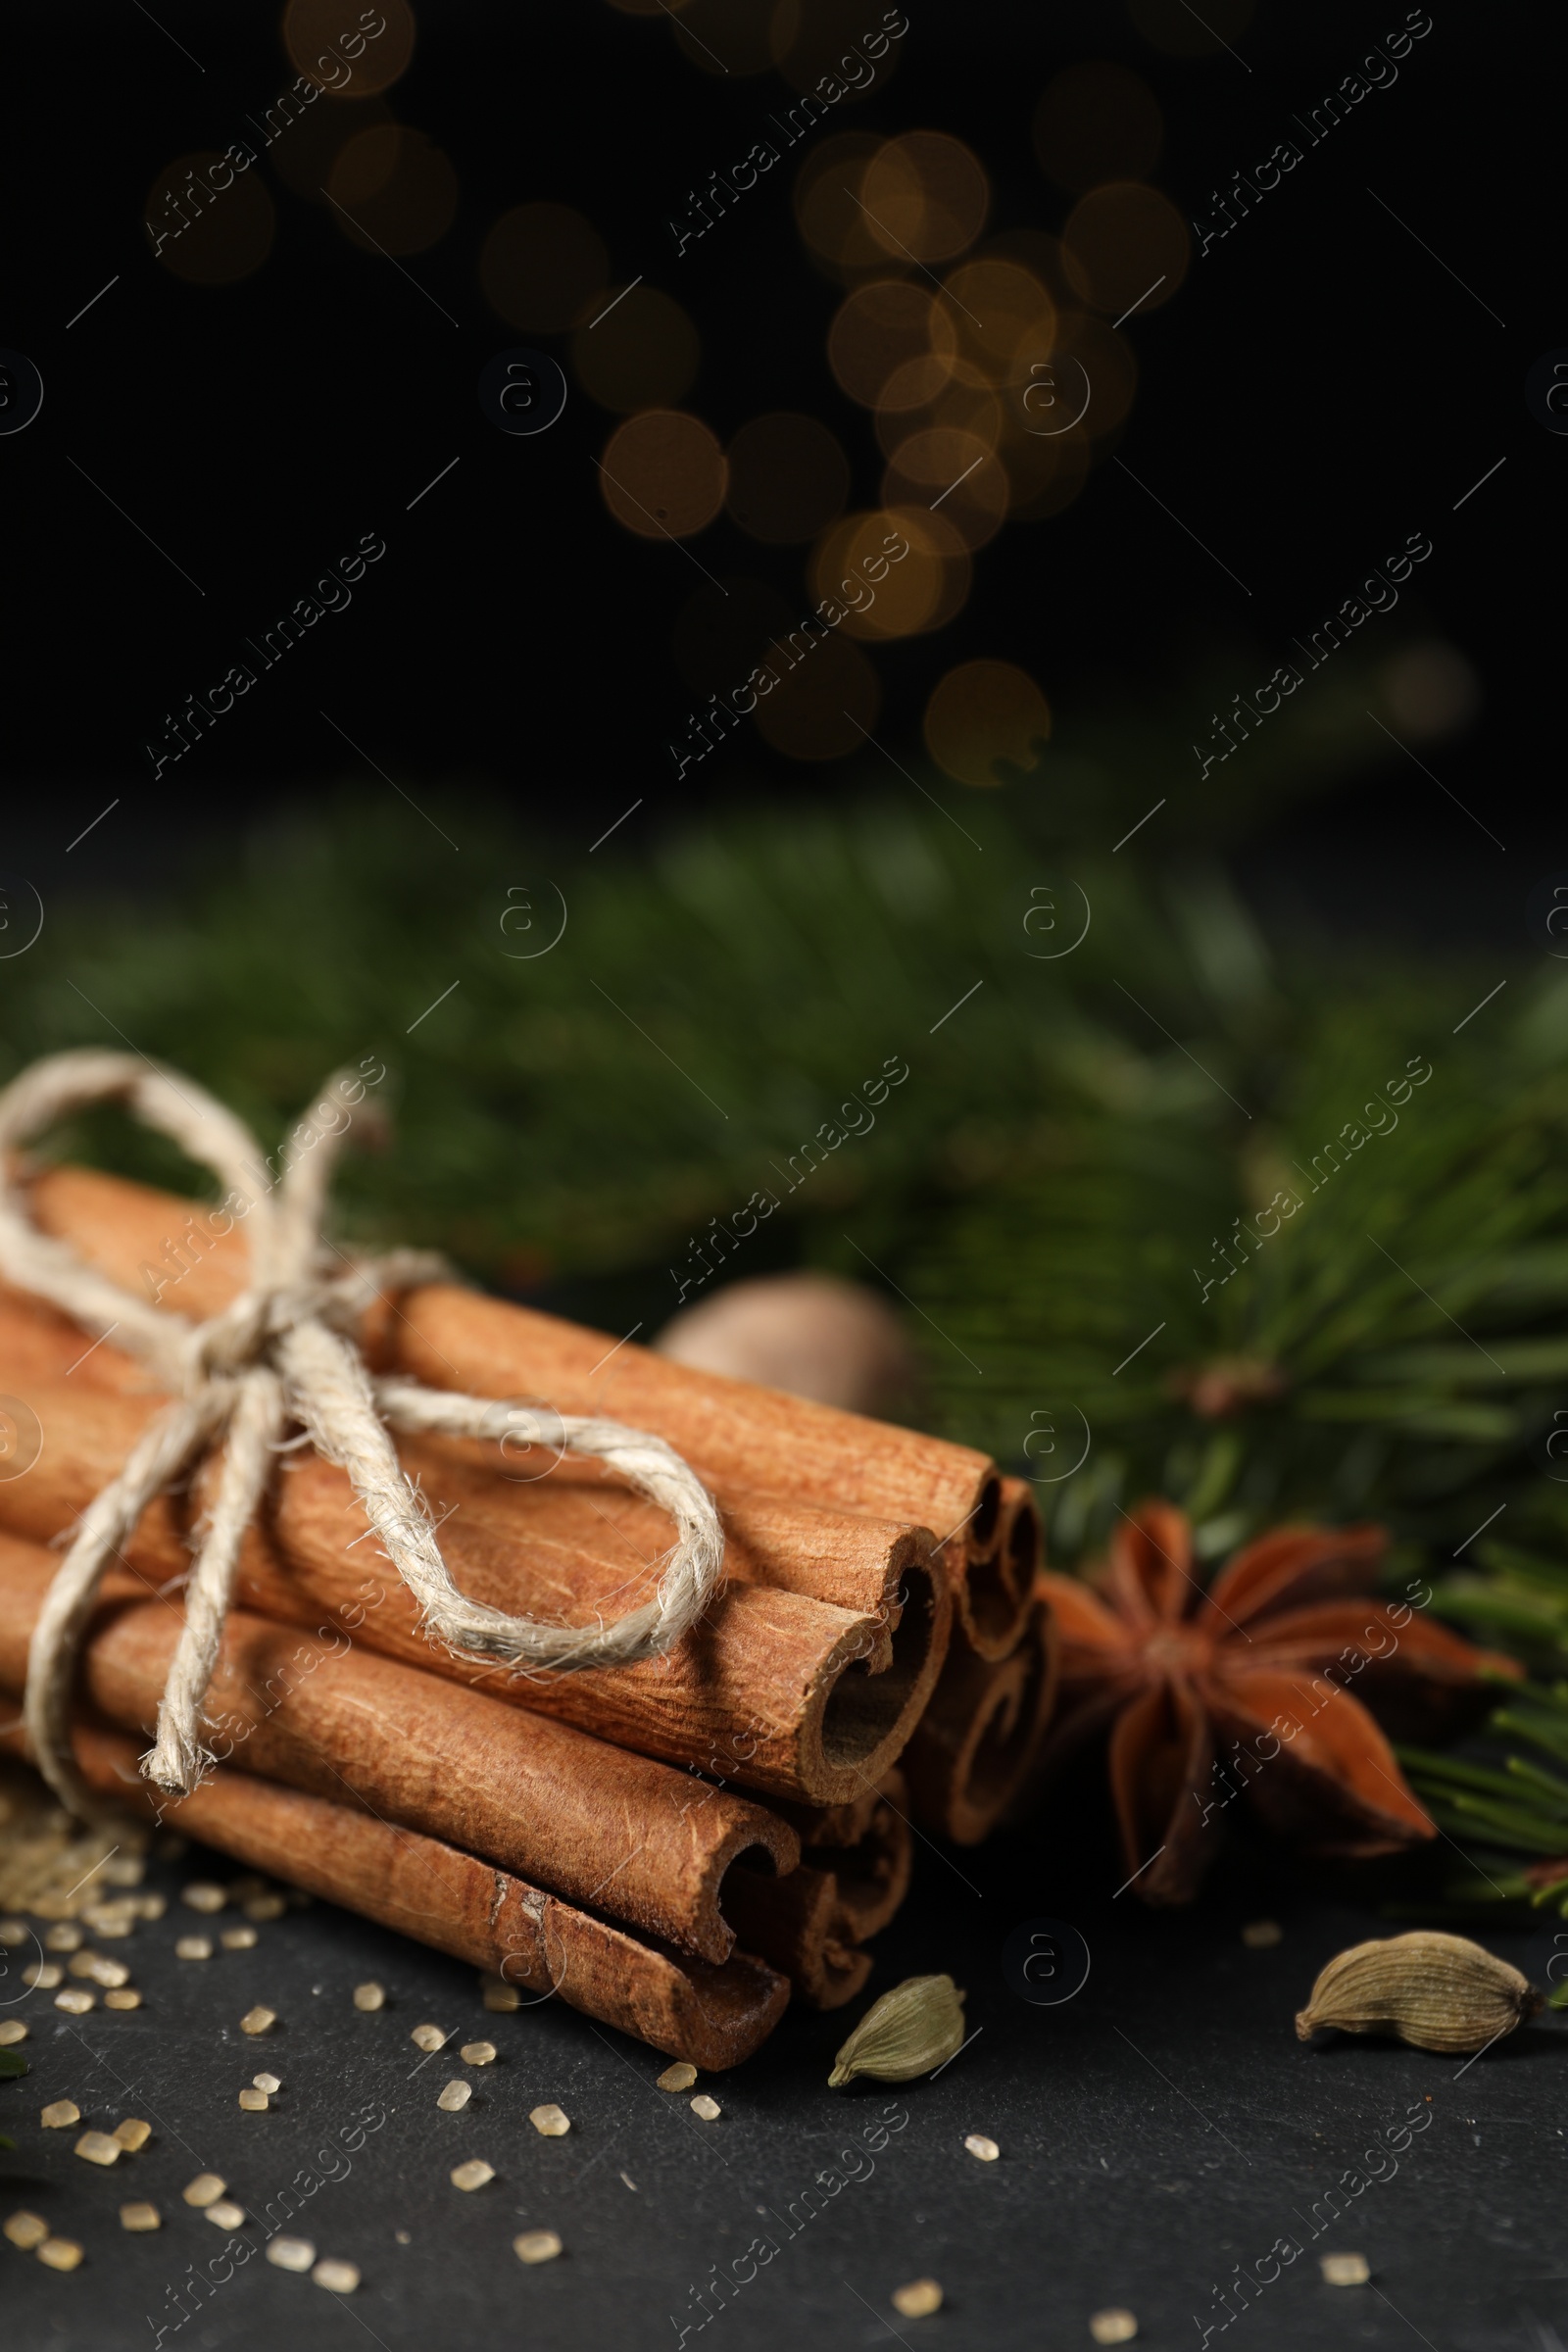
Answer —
(816, 1336)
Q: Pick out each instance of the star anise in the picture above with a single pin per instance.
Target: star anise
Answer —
(1252, 1689)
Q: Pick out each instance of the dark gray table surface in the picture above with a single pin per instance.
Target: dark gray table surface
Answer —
(1157, 2131)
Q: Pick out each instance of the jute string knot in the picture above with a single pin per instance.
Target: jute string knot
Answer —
(284, 1351)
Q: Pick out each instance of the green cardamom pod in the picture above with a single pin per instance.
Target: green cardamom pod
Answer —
(917, 2026)
(1435, 1992)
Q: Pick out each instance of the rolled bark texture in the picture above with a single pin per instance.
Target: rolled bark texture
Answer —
(610, 1831)
(979, 1737)
(737, 1436)
(779, 1691)
(711, 2016)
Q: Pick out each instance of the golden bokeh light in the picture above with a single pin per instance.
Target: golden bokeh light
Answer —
(327, 39)
(1002, 320)
(866, 586)
(982, 712)
(1125, 244)
(642, 354)
(1097, 121)
(925, 195)
(210, 223)
(945, 469)
(822, 708)
(788, 478)
(392, 189)
(664, 474)
(303, 155)
(828, 212)
(965, 407)
(933, 539)
(1184, 31)
(828, 45)
(890, 343)
(542, 267)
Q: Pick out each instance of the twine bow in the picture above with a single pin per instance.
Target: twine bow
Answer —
(281, 1351)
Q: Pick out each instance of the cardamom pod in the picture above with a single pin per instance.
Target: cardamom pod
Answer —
(917, 2026)
(1435, 1992)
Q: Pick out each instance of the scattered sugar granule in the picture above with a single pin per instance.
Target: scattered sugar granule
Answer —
(454, 2097)
(76, 2000)
(60, 2114)
(919, 2299)
(11, 2029)
(499, 1996)
(193, 1947)
(370, 1996)
(60, 2253)
(1114, 2327)
(134, 2133)
(708, 2109)
(254, 2102)
(43, 1976)
(428, 2037)
(479, 2053)
(536, 2245)
(291, 2253)
(267, 2083)
(26, 2230)
(338, 2278)
(238, 1940)
(225, 2214)
(1344, 2269)
(66, 1937)
(260, 2020)
(987, 2150)
(472, 2175)
(679, 2077)
(550, 2120)
(205, 2189)
(203, 1895)
(139, 2215)
(123, 1996)
(99, 2147)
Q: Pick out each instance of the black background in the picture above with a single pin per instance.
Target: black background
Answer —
(1320, 387)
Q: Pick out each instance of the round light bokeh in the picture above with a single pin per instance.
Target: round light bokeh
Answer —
(211, 226)
(664, 474)
(641, 353)
(1124, 245)
(392, 189)
(319, 37)
(982, 712)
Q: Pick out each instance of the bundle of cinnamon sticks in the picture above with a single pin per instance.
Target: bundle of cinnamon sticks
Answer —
(672, 1846)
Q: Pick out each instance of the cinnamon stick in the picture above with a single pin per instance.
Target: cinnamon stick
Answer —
(998, 1585)
(601, 1827)
(871, 1853)
(735, 1435)
(978, 1739)
(802, 1926)
(781, 1692)
(711, 2016)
